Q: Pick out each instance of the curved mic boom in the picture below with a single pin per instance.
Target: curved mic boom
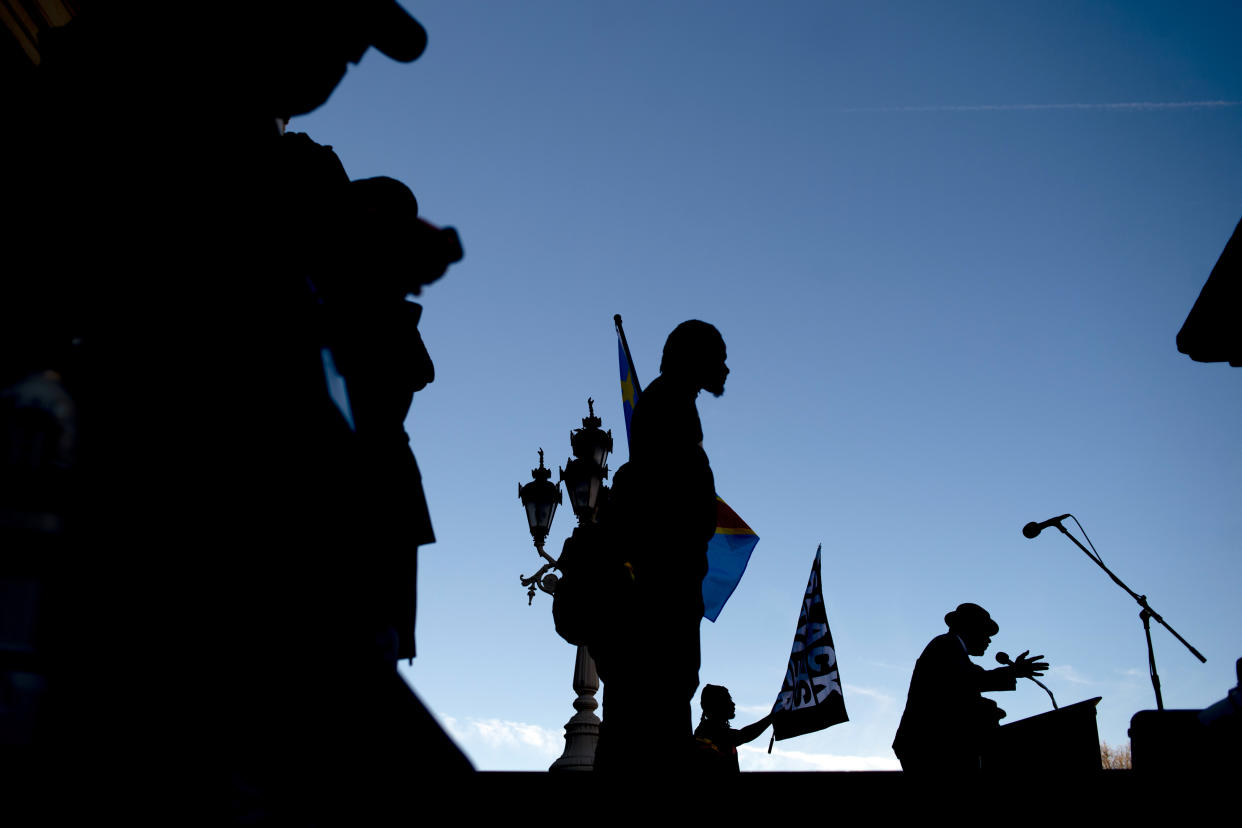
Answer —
(1004, 658)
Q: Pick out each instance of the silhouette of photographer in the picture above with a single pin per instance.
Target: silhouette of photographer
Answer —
(663, 508)
(379, 351)
(715, 740)
(192, 282)
(947, 721)
(361, 251)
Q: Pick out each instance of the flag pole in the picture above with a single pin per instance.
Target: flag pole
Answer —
(616, 318)
(772, 741)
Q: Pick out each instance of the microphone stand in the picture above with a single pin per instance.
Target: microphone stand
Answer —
(1145, 615)
(1004, 658)
(1046, 690)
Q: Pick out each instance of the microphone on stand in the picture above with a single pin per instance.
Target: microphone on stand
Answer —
(1032, 529)
(1004, 658)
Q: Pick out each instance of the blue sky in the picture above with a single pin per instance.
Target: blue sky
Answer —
(949, 270)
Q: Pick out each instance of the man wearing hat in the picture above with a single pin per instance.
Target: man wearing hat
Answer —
(946, 719)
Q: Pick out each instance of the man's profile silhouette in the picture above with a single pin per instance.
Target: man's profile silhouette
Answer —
(664, 510)
(947, 720)
(715, 739)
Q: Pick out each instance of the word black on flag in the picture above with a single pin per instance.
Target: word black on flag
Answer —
(810, 698)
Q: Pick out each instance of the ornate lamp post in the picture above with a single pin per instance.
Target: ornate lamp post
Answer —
(584, 476)
(540, 497)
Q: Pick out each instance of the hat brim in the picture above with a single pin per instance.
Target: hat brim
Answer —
(957, 618)
(397, 34)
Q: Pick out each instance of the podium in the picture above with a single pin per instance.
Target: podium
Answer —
(1175, 741)
(1059, 740)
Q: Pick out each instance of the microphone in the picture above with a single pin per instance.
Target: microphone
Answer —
(1004, 658)
(1032, 529)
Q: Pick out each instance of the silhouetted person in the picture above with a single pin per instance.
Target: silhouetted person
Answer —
(1222, 723)
(357, 730)
(947, 720)
(369, 251)
(664, 506)
(381, 355)
(715, 741)
(212, 597)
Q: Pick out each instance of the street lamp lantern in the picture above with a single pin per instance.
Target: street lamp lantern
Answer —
(583, 482)
(540, 497)
(584, 475)
(591, 442)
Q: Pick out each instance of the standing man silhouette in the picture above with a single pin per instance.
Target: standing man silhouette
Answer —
(664, 512)
(947, 720)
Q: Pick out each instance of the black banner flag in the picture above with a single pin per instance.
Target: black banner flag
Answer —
(810, 698)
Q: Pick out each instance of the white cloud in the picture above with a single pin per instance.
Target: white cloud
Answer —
(879, 695)
(495, 744)
(758, 759)
(1064, 672)
(501, 734)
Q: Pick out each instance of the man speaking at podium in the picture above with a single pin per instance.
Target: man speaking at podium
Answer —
(947, 720)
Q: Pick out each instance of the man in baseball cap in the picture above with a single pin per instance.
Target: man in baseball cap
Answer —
(302, 49)
(393, 31)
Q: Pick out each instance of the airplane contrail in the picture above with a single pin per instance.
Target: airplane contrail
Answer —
(1128, 105)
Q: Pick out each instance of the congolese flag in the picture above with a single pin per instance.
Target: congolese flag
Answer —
(729, 550)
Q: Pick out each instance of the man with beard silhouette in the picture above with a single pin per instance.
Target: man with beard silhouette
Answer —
(664, 509)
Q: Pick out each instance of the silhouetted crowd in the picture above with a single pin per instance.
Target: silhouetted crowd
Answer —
(210, 507)
(209, 353)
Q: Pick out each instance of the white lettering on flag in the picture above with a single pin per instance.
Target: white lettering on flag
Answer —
(806, 701)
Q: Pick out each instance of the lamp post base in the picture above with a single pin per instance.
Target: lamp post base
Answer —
(582, 730)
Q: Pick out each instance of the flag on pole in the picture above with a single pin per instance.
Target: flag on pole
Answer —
(728, 552)
(629, 382)
(811, 698)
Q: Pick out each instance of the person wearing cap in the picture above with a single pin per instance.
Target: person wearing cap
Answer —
(311, 44)
(947, 719)
(180, 320)
(378, 349)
